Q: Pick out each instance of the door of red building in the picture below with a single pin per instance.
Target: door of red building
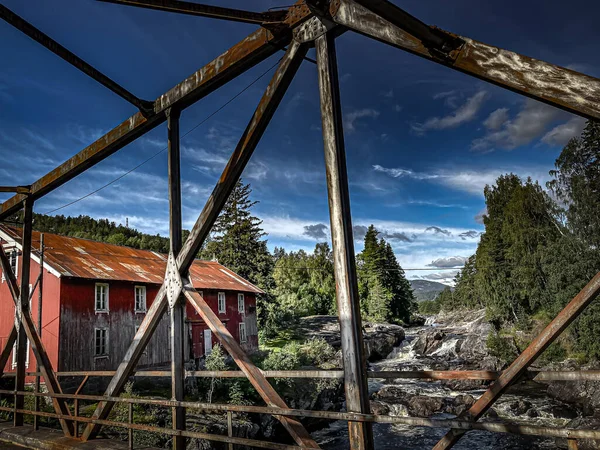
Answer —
(197, 340)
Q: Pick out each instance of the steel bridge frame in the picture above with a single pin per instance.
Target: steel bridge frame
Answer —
(306, 24)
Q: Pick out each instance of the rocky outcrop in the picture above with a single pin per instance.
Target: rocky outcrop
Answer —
(380, 339)
(389, 397)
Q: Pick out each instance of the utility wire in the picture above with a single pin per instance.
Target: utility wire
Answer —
(224, 105)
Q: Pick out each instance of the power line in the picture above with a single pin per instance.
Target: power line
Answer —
(164, 149)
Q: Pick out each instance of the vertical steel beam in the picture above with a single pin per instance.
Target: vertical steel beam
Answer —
(177, 309)
(525, 359)
(22, 306)
(355, 370)
(237, 162)
(39, 329)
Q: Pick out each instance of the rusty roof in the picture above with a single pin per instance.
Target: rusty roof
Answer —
(84, 258)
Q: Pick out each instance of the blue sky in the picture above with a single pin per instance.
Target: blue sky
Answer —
(422, 140)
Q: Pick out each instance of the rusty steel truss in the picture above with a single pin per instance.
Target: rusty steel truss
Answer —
(306, 24)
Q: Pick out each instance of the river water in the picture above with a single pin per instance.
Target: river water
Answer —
(387, 436)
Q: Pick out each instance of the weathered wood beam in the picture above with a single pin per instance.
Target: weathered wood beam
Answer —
(146, 107)
(237, 162)
(253, 373)
(255, 48)
(213, 12)
(525, 359)
(346, 282)
(177, 307)
(548, 83)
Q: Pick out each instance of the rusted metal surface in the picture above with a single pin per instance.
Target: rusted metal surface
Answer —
(214, 12)
(17, 189)
(255, 48)
(431, 37)
(346, 281)
(548, 83)
(525, 359)
(232, 172)
(146, 107)
(83, 258)
(22, 306)
(8, 346)
(520, 429)
(177, 305)
(534, 375)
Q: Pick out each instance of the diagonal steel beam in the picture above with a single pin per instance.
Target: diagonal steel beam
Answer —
(12, 337)
(255, 48)
(24, 322)
(525, 359)
(231, 174)
(9, 275)
(554, 85)
(253, 373)
(214, 12)
(22, 25)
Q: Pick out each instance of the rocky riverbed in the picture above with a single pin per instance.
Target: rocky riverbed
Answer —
(459, 343)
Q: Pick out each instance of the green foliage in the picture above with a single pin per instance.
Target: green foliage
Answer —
(215, 361)
(501, 347)
(101, 230)
(304, 284)
(385, 293)
(429, 307)
(236, 242)
(535, 255)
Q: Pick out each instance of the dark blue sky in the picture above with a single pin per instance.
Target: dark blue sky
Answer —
(422, 140)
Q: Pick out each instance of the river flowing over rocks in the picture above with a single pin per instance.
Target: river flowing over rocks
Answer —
(455, 342)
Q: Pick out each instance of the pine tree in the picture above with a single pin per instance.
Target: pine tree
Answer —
(384, 291)
(236, 242)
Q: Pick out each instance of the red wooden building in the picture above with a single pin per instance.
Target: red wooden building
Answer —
(95, 295)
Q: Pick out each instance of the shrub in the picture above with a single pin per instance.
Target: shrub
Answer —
(501, 347)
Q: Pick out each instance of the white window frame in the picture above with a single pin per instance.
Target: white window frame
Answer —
(137, 309)
(9, 254)
(106, 342)
(222, 307)
(241, 303)
(242, 333)
(105, 309)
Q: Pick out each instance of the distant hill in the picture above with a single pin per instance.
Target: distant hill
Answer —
(426, 290)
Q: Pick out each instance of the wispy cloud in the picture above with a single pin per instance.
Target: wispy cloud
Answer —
(351, 118)
(530, 123)
(463, 114)
(471, 181)
(563, 133)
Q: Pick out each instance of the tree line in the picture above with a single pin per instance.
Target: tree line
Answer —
(539, 249)
(296, 283)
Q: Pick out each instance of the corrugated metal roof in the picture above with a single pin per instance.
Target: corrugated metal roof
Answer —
(83, 258)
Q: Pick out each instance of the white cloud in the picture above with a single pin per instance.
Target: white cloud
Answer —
(561, 134)
(529, 123)
(471, 181)
(450, 262)
(351, 118)
(463, 114)
(496, 119)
